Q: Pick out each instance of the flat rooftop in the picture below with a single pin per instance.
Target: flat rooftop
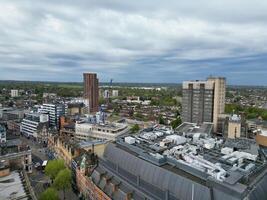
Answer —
(85, 144)
(196, 156)
(263, 133)
(11, 187)
(81, 144)
(110, 126)
(186, 127)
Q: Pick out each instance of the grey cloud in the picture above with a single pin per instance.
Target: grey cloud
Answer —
(118, 38)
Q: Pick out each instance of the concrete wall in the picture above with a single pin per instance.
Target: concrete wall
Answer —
(261, 140)
(234, 130)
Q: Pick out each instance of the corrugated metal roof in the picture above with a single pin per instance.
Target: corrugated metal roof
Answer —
(160, 183)
(260, 191)
(160, 178)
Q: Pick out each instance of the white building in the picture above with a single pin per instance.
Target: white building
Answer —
(33, 124)
(14, 93)
(86, 131)
(106, 94)
(49, 95)
(115, 93)
(55, 111)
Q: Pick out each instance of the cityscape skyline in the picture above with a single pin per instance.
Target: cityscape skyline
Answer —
(143, 42)
(133, 100)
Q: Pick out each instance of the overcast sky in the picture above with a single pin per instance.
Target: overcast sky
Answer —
(134, 40)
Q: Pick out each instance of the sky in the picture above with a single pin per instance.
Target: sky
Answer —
(134, 41)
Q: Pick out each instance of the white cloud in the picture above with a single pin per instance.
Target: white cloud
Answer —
(116, 35)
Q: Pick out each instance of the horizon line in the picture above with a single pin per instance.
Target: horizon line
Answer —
(121, 82)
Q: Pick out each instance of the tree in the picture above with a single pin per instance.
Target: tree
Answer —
(53, 167)
(49, 194)
(161, 120)
(177, 113)
(63, 180)
(138, 116)
(135, 128)
(175, 123)
(101, 101)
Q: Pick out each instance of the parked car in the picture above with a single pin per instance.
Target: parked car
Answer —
(37, 165)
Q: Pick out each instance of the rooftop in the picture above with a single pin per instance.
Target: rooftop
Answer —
(81, 144)
(191, 128)
(263, 133)
(111, 126)
(191, 152)
(86, 144)
(11, 187)
(235, 118)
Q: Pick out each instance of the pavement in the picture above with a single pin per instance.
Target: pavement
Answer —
(39, 181)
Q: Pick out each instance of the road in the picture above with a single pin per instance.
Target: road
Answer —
(39, 181)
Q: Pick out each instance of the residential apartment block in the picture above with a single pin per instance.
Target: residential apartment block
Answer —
(203, 101)
(91, 92)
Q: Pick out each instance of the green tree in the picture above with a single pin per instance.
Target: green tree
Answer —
(230, 108)
(49, 194)
(138, 116)
(175, 123)
(161, 120)
(101, 101)
(63, 180)
(135, 128)
(53, 167)
(177, 113)
(264, 115)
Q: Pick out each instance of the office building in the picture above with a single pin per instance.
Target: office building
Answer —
(34, 124)
(203, 101)
(91, 92)
(54, 111)
(87, 131)
(14, 93)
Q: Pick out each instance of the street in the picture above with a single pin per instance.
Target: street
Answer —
(39, 181)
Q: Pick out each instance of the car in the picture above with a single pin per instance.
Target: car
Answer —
(37, 165)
